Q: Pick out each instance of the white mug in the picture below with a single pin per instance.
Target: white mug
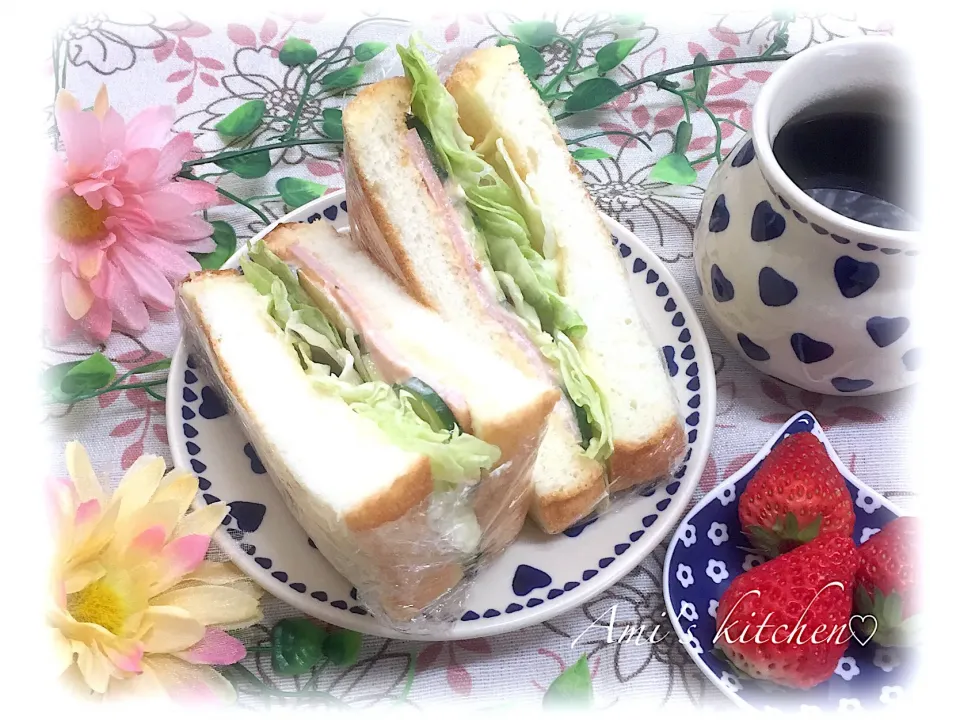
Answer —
(804, 293)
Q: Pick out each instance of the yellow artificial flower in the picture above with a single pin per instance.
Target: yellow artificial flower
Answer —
(136, 607)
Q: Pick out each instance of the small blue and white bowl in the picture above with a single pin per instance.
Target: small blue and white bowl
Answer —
(804, 293)
(704, 557)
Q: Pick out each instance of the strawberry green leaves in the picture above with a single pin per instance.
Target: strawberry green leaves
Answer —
(614, 53)
(297, 646)
(592, 94)
(537, 33)
(342, 79)
(297, 52)
(225, 239)
(243, 120)
(367, 51)
(590, 153)
(296, 191)
(530, 60)
(785, 535)
(249, 167)
(573, 688)
(332, 125)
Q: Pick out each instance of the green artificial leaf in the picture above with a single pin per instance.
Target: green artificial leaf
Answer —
(701, 79)
(573, 688)
(592, 93)
(343, 647)
(297, 646)
(530, 60)
(343, 78)
(91, 374)
(53, 376)
(612, 54)
(369, 50)
(684, 131)
(243, 120)
(536, 33)
(629, 19)
(333, 123)
(225, 239)
(296, 192)
(590, 153)
(249, 167)
(665, 84)
(674, 169)
(297, 52)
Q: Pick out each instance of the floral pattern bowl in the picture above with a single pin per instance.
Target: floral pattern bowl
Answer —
(704, 557)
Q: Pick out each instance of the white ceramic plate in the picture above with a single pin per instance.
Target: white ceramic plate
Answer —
(538, 576)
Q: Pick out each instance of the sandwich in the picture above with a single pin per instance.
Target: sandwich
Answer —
(467, 194)
(400, 445)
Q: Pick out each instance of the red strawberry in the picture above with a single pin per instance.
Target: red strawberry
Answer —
(796, 494)
(787, 620)
(888, 582)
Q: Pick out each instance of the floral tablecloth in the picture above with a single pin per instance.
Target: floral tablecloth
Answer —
(206, 67)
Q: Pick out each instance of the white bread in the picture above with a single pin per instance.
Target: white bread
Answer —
(495, 99)
(504, 406)
(310, 442)
(399, 223)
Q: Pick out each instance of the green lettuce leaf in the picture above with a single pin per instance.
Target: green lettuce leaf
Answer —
(511, 233)
(340, 365)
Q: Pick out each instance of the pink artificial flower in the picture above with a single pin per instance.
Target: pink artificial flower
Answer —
(121, 228)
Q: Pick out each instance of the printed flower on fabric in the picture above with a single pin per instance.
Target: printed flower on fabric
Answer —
(110, 44)
(750, 561)
(691, 641)
(713, 607)
(849, 704)
(717, 571)
(648, 209)
(261, 76)
(688, 535)
(867, 501)
(684, 575)
(847, 668)
(718, 533)
(120, 228)
(742, 30)
(136, 609)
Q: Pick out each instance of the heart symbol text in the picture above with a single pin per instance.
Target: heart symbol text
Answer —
(857, 623)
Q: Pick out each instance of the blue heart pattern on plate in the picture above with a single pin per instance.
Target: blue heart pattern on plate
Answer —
(705, 556)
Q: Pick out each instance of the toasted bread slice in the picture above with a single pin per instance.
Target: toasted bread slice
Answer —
(495, 99)
(492, 399)
(310, 441)
(395, 217)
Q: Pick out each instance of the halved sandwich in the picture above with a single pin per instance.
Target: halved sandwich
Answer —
(402, 447)
(481, 211)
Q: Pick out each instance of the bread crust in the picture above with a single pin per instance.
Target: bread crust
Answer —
(641, 463)
(555, 512)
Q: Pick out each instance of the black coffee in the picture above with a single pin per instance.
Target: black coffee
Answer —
(851, 162)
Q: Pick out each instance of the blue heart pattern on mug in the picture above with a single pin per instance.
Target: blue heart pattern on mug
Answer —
(720, 216)
(722, 288)
(854, 277)
(886, 331)
(775, 289)
(767, 223)
(809, 350)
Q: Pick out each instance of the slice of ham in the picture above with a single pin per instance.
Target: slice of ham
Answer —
(506, 317)
(389, 360)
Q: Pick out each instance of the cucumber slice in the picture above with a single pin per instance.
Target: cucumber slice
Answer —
(428, 406)
(586, 429)
(414, 123)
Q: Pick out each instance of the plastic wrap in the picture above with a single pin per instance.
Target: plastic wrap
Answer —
(412, 568)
